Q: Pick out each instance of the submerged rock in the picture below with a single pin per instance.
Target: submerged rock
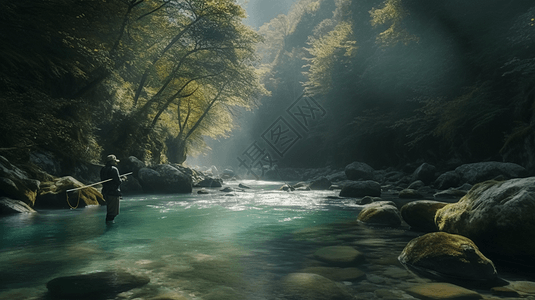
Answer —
(339, 255)
(358, 189)
(382, 213)
(421, 214)
(448, 256)
(442, 291)
(497, 216)
(306, 286)
(337, 274)
(95, 285)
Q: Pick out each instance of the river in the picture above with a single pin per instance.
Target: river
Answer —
(221, 245)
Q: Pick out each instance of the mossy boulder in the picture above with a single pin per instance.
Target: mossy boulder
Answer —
(420, 214)
(497, 216)
(53, 194)
(448, 256)
(382, 213)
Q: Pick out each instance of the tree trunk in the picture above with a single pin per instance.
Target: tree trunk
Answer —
(177, 152)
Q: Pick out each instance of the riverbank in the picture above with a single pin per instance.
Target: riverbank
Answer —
(452, 209)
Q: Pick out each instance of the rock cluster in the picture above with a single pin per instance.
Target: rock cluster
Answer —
(465, 216)
(21, 193)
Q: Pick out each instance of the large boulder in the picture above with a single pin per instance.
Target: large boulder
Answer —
(53, 194)
(131, 186)
(357, 189)
(359, 171)
(98, 285)
(131, 164)
(382, 213)
(10, 206)
(320, 184)
(425, 172)
(479, 172)
(420, 214)
(497, 216)
(448, 180)
(164, 179)
(306, 286)
(448, 256)
(16, 184)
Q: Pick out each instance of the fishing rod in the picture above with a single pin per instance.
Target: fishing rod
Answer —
(86, 186)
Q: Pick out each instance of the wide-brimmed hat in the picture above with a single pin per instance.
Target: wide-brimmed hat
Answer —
(112, 158)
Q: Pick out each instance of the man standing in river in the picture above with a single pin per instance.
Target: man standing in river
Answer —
(111, 189)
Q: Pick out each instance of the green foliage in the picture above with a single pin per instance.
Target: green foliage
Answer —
(337, 46)
(33, 120)
(436, 80)
(142, 71)
(391, 15)
(191, 73)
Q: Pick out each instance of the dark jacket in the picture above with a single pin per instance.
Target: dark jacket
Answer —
(112, 187)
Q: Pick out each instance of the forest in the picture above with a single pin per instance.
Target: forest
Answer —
(398, 82)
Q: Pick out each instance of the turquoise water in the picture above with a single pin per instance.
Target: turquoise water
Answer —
(234, 245)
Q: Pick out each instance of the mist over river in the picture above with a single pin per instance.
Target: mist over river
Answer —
(221, 245)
